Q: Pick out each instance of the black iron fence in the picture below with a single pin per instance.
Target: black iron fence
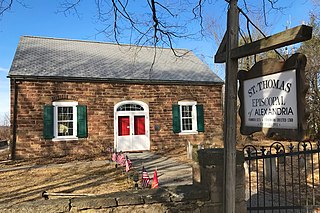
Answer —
(283, 177)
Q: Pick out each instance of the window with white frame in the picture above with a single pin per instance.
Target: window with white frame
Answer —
(187, 117)
(65, 119)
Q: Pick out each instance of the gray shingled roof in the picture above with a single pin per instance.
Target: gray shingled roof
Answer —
(38, 57)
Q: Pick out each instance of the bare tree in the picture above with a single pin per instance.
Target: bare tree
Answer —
(152, 22)
(315, 13)
(157, 23)
(316, 3)
(311, 49)
(160, 22)
(6, 119)
(5, 127)
(249, 32)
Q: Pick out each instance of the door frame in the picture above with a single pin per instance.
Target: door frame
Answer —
(131, 114)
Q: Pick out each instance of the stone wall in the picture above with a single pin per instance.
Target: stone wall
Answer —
(100, 99)
(211, 163)
(205, 197)
(174, 199)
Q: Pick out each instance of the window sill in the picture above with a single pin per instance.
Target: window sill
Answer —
(189, 133)
(65, 139)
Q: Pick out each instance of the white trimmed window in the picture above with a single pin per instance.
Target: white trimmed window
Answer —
(65, 120)
(188, 117)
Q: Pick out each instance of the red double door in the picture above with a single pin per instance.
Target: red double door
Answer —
(132, 133)
(139, 127)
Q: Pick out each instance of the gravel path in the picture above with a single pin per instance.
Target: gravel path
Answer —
(170, 172)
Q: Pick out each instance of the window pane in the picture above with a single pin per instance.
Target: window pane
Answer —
(70, 116)
(65, 128)
(186, 123)
(187, 111)
(130, 107)
(65, 113)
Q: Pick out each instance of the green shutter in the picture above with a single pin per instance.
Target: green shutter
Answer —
(82, 121)
(176, 118)
(200, 118)
(48, 122)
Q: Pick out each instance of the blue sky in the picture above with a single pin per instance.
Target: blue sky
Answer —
(40, 18)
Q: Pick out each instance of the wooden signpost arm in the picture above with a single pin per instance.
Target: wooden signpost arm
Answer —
(222, 47)
(230, 110)
(285, 38)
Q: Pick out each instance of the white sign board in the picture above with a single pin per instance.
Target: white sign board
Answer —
(270, 101)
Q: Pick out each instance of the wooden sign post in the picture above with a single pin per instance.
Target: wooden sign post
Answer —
(230, 111)
(229, 52)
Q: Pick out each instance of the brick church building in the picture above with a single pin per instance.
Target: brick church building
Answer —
(72, 97)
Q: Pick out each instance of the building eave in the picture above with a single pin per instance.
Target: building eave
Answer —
(110, 80)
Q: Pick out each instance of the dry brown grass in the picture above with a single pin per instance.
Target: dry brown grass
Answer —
(77, 177)
(72, 175)
(66, 175)
(4, 154)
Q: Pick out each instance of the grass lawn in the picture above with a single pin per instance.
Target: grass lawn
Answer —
(78, 177)
(66, 175)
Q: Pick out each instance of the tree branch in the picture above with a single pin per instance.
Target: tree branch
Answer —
(166, 9)
(199, 7)
(5, 7)
(69, 6)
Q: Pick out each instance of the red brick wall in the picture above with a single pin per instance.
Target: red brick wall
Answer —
(100, 99)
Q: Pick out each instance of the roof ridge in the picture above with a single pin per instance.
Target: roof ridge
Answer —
(100, 42)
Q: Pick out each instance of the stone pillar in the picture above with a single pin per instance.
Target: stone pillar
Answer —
(270, 171)
(211, 163)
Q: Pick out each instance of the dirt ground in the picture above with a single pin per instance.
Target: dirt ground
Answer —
(76, 176)
(65, 175)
